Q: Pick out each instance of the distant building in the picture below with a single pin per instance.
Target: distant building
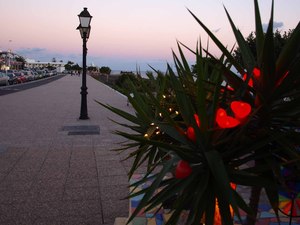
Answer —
(13, 61)
(30, 63)
(10, 60)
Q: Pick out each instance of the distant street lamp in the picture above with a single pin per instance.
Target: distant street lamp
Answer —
(84, 28)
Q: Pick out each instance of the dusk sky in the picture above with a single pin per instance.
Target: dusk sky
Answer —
(130, 33)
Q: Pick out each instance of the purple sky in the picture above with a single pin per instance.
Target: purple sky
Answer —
(128, 33)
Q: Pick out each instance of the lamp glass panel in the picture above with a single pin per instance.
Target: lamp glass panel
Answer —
(85, 21)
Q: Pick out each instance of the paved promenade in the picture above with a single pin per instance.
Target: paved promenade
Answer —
(54, 168)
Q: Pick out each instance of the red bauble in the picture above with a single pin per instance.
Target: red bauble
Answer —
(190, 133)
(225, 121)
(256, 72)
(183, 169)
(240, 109)
(196, 117)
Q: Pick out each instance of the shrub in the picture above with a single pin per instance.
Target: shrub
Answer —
(204, 131)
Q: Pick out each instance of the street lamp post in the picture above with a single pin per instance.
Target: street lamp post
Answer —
(84, 28)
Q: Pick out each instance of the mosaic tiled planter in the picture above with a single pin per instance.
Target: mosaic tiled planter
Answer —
(266, 215)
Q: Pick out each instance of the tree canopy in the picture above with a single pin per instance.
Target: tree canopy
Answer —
(72, 66)
(105, 70)
(279, 41)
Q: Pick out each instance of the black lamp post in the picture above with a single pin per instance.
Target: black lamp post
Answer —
(84, 28)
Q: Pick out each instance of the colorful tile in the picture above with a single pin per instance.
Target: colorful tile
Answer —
(139, 221)
(159, 219)
(266, 215)
(264, 207)
(151, 221)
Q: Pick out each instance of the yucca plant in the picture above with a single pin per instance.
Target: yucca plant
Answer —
(201, 134)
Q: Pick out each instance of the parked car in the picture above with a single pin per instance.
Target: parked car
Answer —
(29, 76)
(47, 73)
(41, 73)
(53, 72)
(12, 79)
(3, 79)
(36, 76)
(50, 73)
(21, 78)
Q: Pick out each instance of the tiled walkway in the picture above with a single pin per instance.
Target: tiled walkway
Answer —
(50, 177)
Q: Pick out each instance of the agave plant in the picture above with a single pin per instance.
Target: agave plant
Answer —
(201, 134)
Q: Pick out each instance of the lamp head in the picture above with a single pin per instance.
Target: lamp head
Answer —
(85, 18)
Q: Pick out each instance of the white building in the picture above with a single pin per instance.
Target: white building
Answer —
(30, 63)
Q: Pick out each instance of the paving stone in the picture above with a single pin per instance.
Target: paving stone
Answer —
(105, 150)
(6, 165)
(13, 196)
(2, 175)
(62, 162)
(61, 144)
(48, 183)
(28, 165)
(81, 183)
(13, 153)
(83, 164)
(109, 164)
(59, 155)
(113, 180)
(112, 171)
(9, 214)
(83, 150)
(52, 173)
(47, 221)
(41, 195)
(18, 220)
(35, 154)
(82, 194)
(82, 141)
(83, 153)
(93, 220)
(114, 208)
(21, 176)
(99, 159)
(82, 129)
(34, 209)
(83, 209)
(20, 185)
(82, 174)
(117, 192)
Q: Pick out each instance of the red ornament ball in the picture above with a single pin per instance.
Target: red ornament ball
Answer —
(183, 169)
(190, 133)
